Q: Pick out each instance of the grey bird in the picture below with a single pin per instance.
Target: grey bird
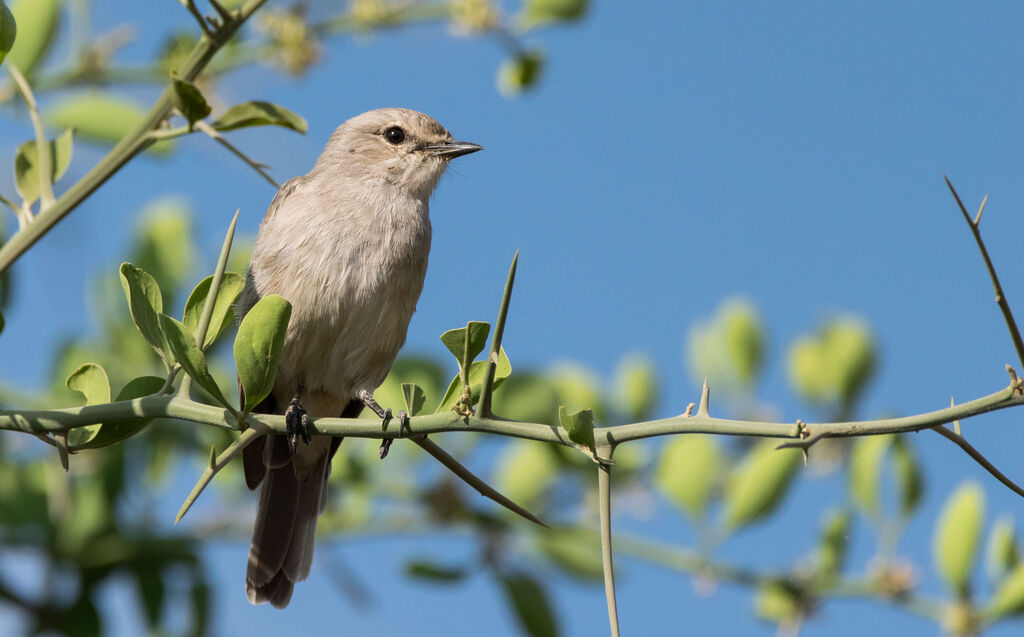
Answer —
(347, 245)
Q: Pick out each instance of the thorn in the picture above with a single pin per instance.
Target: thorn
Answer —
(956, 423)
(213, 456)
(62, 449)
(705, 395)
(981, 209)
(689, 409)
(803, 433)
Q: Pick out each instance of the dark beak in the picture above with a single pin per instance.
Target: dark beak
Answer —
(451, 150)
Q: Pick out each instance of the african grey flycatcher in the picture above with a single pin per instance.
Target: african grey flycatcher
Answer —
(347, 245)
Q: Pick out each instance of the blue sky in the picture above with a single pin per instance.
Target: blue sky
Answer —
(674, 154)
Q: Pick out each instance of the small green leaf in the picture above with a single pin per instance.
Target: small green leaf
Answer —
(91, 381)
(101, 118)
(467, 342)
(579, 425)
(183, 345)
(758, 484)
(477, 375)
(530, 603)
(957, 535)
(26, 165)
(1009, 596)
(258, 347)
(145, 304)
(777, 604)
(688, 471)
(578, 388)
(118, 430)
(189, 101)
(223, 309)
(8, 30)
(636, 384)
(259, 113)
(866, 471)
(37, 23)
(434, 572)
(909, 478)
(520, 73)
(539, 12)
(414, 398)
(524, 471)
(835, 537)
(1002, 554)
(575, 550)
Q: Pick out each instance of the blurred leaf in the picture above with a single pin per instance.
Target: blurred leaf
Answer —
(163, 244)
(777, 604)
(8, 30)
(866, 471)
(835, 538)
(578, 389)
(528, 398)
(191, 359)
(575, 550)
(539, 12)
(1009, 595)
(467, 342)
(259, 113)
(101, 118)
(414, 398)
(579, 425)
(477, 375)
(728, 348)
(834, 365)
(636, 385)
(81, 620)
(428, 570)
(189, 101)
(258, 347)
(1002, 554)
(223, 308)
(89, 515)
(26, 165)
(688, 471)
(530, 603)
(37, 24)
(145, 304)
(957, 535)
(758, 484)
(909, 478)
(524, 471)
(520, 73)
(151, 590)
(424, 372)
(118, 430)
(91, 381)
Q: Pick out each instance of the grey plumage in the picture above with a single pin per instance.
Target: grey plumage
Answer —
(347, 245)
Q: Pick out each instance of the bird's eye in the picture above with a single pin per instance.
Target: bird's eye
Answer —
(394, 135)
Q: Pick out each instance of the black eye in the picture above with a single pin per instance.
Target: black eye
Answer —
(394, 135)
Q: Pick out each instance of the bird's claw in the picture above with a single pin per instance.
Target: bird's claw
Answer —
(297, 425)
(403, 422)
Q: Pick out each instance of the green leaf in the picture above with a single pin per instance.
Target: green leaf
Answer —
(223, 309)
(259, 113)
(520, 73)
(150, 581)
(145, 304)
(37, 24)
(835, 536)
(91, 381)
(8, 30)
(524, 471)
(258, 347)
(866, 471)
(835, 364)
(957, 535)
(414, 398)
(776, 603)
(578, 388)
(26, 165)
(758, 484)
(477, 375)
(434, 572)
(539, 12)
(189, 101)
(467, 342)
(575, 550)
(528, 398)
(636, 384)
(688, 471)
(1009, 596)
(163, 244)
(579, 425)
(101, 118)
(118, 430)
(909, 478)
(530, 603)
(1002, 554)
(183, 344)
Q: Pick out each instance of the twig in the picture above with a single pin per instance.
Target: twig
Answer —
(1004, 305)
(499, 330)
(216, 464)
(191, 6)
(978, 457)
(43, 159)
(215, 135)
(604, 495)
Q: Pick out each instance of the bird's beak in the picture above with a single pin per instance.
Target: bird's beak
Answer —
(451, 150)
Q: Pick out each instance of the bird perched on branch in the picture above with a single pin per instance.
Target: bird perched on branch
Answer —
(347, 246)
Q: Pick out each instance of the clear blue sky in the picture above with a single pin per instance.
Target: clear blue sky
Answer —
(674, 154)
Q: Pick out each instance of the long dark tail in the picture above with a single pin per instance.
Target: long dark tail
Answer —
(292, 498)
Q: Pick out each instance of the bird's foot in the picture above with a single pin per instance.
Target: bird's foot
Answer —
(385, 444)
(297, 424)
(385, 416)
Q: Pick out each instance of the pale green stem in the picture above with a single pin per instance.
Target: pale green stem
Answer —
(45, 162)
(604, 495)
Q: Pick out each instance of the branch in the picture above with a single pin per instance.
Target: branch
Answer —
(604, 490)
(978, 457)
(45, 162)
(215, 135)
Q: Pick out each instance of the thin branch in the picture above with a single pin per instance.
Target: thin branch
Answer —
(43, 159)
(191, 6)
(215, 135)
(604, 495)
(216, 464)
(1004, 305)
(499, 330)
(978, 457)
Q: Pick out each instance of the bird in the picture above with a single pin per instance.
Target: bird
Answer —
(347, 245)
